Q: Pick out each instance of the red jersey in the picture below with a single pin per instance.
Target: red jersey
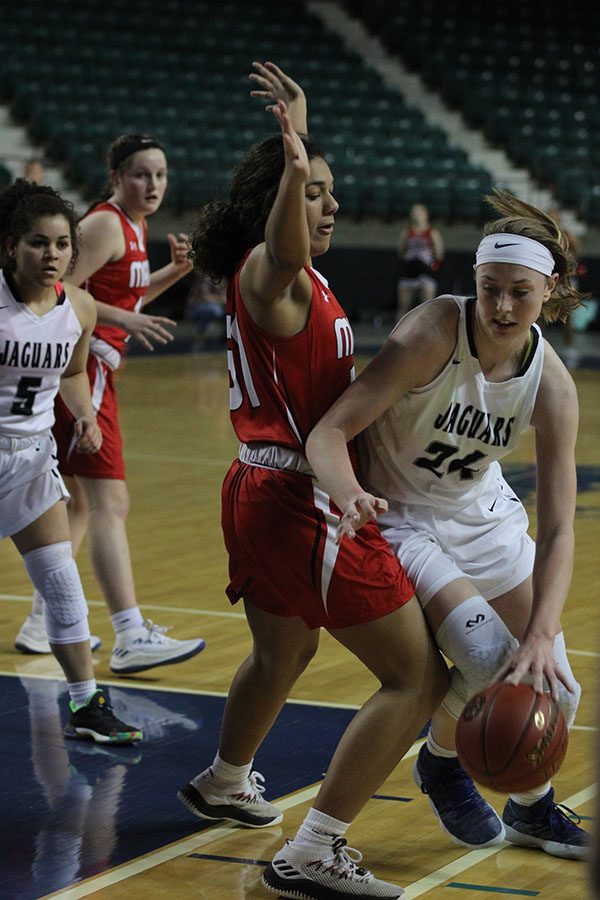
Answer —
(418, 244)
(124, 282)
(281, 386)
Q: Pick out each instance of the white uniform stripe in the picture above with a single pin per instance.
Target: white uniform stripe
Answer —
(99, 386)
(288, 413)
(252, 395)
(331, 549)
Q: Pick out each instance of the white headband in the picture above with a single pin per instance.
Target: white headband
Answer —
(514, 248)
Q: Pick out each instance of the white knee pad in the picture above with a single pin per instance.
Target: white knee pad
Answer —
(54, 574)
(57, 633)
(567, 702)
(476, 640)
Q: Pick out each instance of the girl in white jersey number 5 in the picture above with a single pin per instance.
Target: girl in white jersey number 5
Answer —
(444, 400)
(44, 339)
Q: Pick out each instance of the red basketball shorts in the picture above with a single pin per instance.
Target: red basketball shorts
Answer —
(108, 462)
(279, 531)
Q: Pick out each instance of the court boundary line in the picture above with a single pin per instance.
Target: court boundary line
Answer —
(224, 614)
(196, 692)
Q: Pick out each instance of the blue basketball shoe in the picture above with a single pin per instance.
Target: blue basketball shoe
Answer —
(547, 826)
(461, 810)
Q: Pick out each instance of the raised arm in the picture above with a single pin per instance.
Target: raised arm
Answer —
(273, 85)
(273, 283)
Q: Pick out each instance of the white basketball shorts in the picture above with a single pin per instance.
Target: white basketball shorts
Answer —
(487, 542)
(30, 482)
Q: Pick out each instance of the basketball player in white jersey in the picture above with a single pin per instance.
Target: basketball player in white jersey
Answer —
(44, 340)
(446, 398)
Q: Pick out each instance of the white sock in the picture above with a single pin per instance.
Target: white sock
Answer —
(231, 776)
(126, 619)
(437, 750)
(318, 829)
(528, 798)
(37, 605)
(81, 691)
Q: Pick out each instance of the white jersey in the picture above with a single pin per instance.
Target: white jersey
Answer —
(34, 352)
(440, 444)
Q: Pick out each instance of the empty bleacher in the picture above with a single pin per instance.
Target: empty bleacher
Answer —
(526, 74)
(77, 75)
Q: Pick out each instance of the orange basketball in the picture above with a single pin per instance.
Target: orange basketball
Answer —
(510, 738)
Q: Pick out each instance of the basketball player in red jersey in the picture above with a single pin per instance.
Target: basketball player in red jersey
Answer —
(113, 265)
(290, 355)
(421, 250)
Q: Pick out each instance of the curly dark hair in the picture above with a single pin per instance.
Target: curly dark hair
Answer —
(519, 217)
(21, 204)
(226, 229)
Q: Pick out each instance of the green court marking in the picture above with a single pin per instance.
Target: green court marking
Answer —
(492, 890)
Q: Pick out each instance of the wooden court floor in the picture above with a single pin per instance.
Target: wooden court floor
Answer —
(179, 443)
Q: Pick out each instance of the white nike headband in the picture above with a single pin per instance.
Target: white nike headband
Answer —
(514, 248)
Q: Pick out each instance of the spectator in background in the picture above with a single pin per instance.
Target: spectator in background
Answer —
(205, 304)
(421, 252)
(34, 171)
(113, 264)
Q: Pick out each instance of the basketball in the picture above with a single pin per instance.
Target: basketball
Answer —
(510, 739)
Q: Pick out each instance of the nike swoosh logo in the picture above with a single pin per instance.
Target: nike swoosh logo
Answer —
(3, 307)
(491, 508)
(499, 246)
(456, 362)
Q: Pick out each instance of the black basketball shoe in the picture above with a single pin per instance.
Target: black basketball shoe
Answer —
(96, 721)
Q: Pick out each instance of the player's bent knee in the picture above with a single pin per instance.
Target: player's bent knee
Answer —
(476, 640)
(54, 573)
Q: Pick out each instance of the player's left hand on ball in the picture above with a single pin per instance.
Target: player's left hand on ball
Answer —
(534, 663)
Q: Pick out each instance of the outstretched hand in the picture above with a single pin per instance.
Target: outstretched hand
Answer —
(148, 330)
(295, 151)
(273, 85)
(362, 509)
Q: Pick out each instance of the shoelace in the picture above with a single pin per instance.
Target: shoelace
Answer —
(257, 789)
(343, 863)
(563, 819)
(155, 631)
